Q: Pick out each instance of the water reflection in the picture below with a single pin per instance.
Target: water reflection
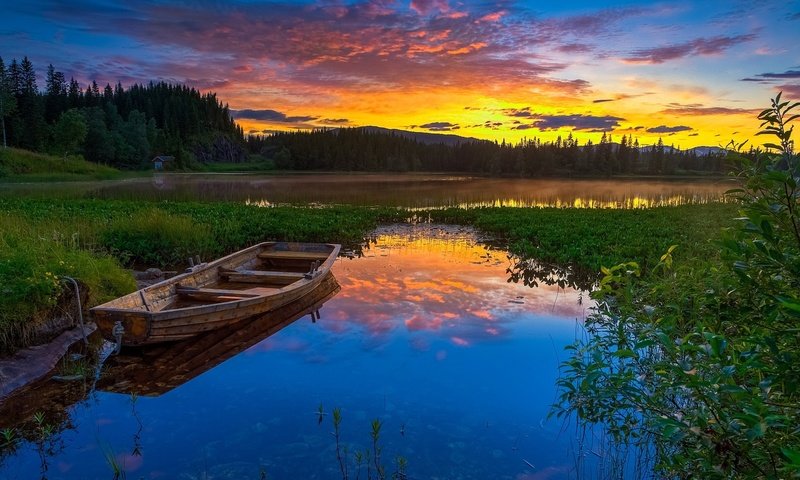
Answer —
(427, 334)
(441, 280)
(409, 191)
(533, 273)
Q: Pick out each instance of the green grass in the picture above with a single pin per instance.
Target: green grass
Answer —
(18, 165)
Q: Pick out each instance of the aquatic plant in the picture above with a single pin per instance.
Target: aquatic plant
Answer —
(340, 456)
(369, 459)
(376, 449)
(44, 440)
(698, 361)
(111, 460)
(9, 437)
(88, 239)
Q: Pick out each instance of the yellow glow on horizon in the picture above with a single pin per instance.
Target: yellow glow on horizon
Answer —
(471, 107)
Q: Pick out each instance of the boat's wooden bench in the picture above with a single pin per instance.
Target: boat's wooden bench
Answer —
(214, 293)
(290, 255)
(260, 276)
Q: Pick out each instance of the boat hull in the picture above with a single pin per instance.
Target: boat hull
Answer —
(192, 303)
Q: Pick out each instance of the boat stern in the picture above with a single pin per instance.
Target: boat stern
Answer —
(133, 326)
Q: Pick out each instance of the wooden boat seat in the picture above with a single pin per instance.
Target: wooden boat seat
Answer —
(290, 255)
(214, 293)
(260, 276)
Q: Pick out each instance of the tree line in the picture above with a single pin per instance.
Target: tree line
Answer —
(116, 126)
(368, 149)
(126, 127)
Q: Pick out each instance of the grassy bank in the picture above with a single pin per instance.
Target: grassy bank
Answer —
(93, 240)
(18, 165)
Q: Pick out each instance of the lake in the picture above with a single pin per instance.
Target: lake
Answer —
(409, 191)
(427, 335)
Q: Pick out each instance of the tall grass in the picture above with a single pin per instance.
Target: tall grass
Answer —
(34, 257)
(23, 165)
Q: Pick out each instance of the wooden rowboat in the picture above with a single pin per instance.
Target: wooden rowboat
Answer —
(156, 369)
(252, 281)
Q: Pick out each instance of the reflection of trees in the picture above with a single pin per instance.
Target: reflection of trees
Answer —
(533, 272)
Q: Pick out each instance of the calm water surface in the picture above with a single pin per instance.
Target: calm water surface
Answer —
(410, 191)
(426, 335)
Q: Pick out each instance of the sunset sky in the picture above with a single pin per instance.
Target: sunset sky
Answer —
(693, 73)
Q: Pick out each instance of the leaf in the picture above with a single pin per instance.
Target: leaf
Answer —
(792, 455)
(732, 389)
(790, 304)
(625, 353)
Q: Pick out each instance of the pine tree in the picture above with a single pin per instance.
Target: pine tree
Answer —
(8, 102)
(27, 78)
(74, 95)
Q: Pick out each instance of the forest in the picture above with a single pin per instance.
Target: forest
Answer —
(115, 126)
(372, 149)
(126, 127)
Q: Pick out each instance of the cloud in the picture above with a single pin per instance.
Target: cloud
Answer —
(576, 122)
(698, 46)
(518, 112)
(620, 96)
(666, 129)
(334, 121)
(439, 126)
(790, 91)
(267, 115)
(425, 7)
(699, 110)
(359, 45)
(574, 48)
(767, 77)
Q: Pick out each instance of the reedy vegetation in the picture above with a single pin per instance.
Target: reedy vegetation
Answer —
(92, 237)
(700, 362)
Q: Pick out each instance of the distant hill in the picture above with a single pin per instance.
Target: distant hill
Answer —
(450, 139)
(703, 151)
(699, 151)
(426, 138)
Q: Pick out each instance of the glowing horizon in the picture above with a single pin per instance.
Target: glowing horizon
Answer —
(691, 73)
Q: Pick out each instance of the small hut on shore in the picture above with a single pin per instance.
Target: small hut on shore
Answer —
(161, 162)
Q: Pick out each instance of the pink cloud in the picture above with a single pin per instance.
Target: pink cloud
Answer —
(698, 46)
(493, 17)
(425, 7)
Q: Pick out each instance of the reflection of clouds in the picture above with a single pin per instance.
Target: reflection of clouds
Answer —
(440, 281)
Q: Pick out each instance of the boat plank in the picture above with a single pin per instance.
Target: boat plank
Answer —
(215, 292)
(260, 276)
(293, 255)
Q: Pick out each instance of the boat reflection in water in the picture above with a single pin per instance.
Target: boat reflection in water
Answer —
(155, 370)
